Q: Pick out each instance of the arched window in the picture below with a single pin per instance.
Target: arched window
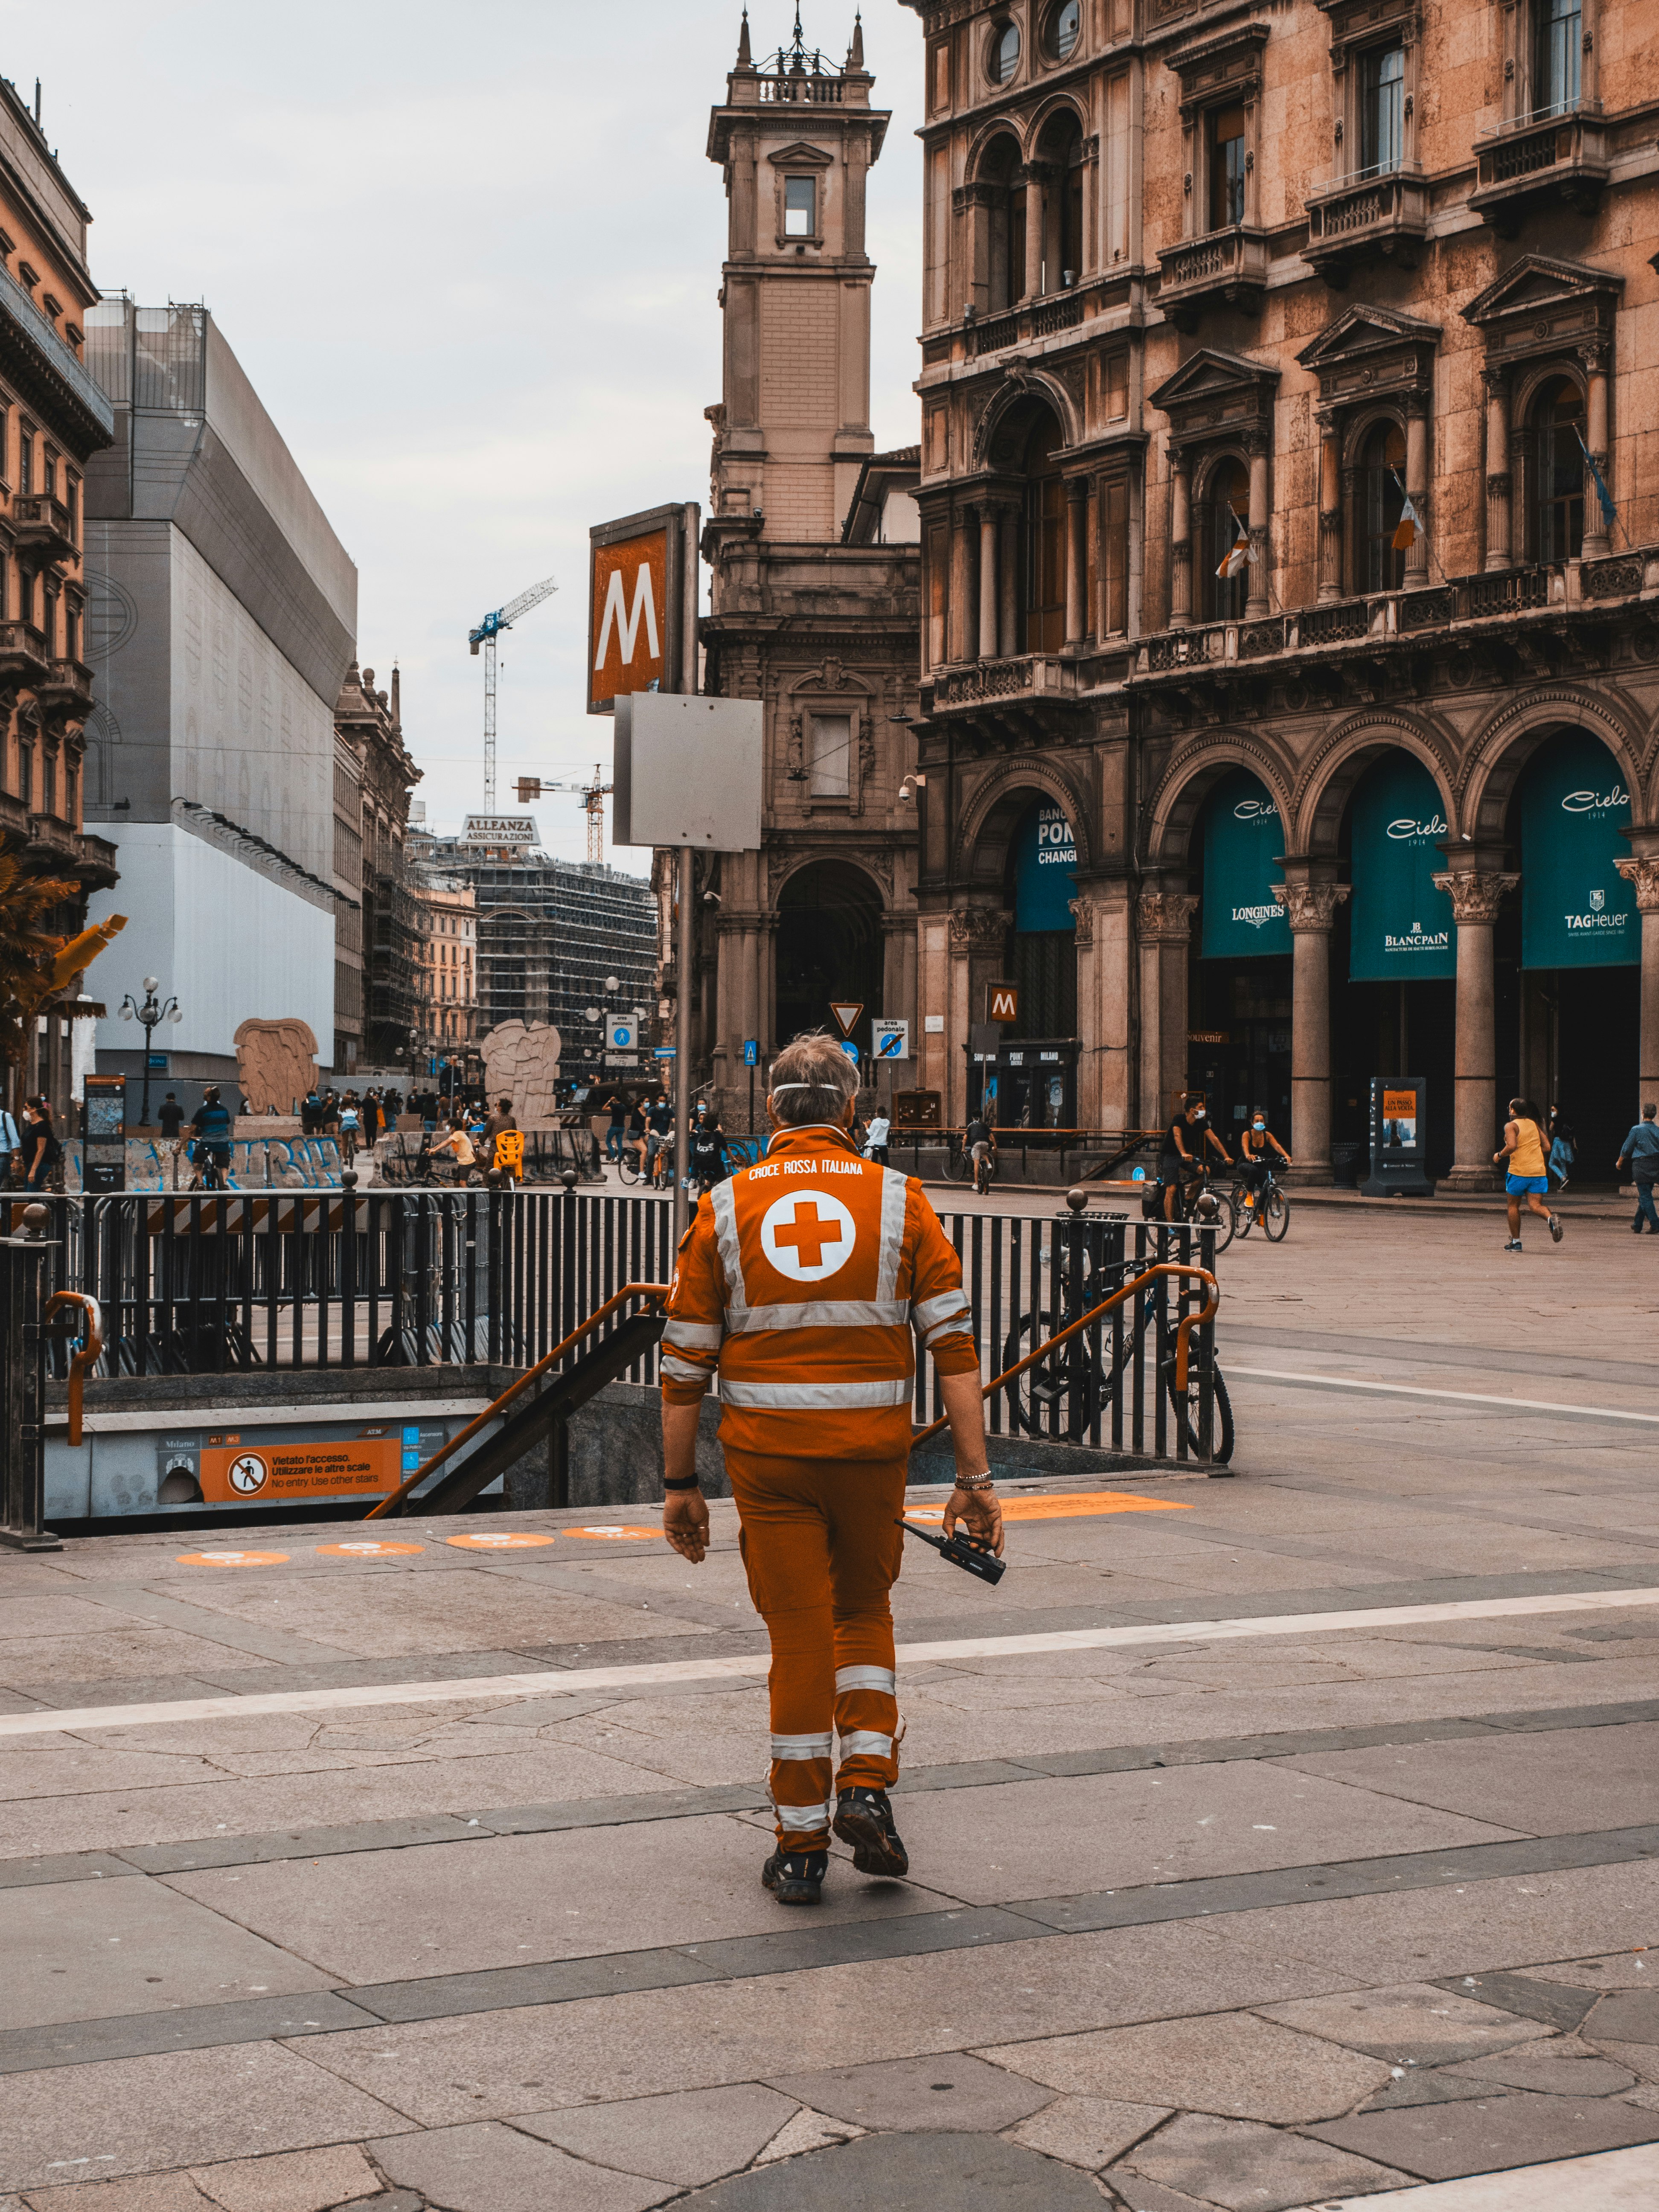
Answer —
(1381, 566)
(1060, 149)
(1045, 540)
(1004, 52)
(1558, 472)
(1224, 539)
(1064, 28)
(1001, 177)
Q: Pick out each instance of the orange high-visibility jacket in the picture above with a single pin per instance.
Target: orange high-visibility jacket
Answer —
(800, 1281)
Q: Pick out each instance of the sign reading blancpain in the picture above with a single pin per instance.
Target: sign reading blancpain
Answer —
(1576, 910)
(1244, 844)
(1045, 871)
(1402, 926)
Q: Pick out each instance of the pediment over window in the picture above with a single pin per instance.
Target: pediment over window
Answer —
(800, 156)
(1541, 304)
(1371, 349)
(1215, 393)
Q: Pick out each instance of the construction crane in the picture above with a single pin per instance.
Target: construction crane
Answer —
(485, 634)
(592, 798)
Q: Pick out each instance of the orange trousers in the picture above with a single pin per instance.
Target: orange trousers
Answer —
(821, 1551)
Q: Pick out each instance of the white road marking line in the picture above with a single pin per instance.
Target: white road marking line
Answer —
(1608, 2181)
(1458, 1397)
(573, 1682)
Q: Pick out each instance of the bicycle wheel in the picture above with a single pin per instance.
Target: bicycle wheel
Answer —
(1065, 1379)
(1187, 1408)
(1226, 1219)
(960, 1166)
(627, 1167)
(1276, 1214)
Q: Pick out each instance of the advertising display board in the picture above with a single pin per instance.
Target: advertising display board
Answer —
(1399, 1137)
(1045, 871)
(1576, 910)
(1403, 929)
(103, 1134)
(1243, 848)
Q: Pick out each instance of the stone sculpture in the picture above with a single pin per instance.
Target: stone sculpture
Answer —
(522, 1064)
(275, 1064)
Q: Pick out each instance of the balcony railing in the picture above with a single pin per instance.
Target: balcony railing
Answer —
(1032, 675)
(993, 335)
(1358, 217)
(1231, 264)
(794, 89)
(45, 527)
(1564, 157)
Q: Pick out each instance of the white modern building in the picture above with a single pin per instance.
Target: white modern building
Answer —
(221, 619)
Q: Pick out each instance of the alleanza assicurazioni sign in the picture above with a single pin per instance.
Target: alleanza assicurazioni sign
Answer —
(1243, 848)
(1576, 910)
(1402, 928)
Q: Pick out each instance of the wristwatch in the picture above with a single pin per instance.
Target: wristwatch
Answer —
(681, 1482)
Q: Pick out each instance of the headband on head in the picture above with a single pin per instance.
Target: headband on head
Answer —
(778, 1088)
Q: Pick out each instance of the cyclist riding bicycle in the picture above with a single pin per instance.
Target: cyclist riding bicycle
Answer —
(981, 1149)
(707, 1150)
(1187, 1142)
(215, 1135)
(659, 1127)
(1258, 1143)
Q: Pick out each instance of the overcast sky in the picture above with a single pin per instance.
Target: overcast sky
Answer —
(469, 256)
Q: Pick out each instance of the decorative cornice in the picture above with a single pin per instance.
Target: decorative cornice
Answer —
(1645, 874)
(1310, 908)
(977, 929)
(1475, 898)
(1164, 917)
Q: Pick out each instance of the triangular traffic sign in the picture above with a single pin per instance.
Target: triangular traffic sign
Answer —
(846, 1012)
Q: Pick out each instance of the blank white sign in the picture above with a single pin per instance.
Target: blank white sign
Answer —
(688, 772)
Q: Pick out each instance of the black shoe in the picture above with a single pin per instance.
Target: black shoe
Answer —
(796, 1877)
(1636, 1226)
(864, 1819)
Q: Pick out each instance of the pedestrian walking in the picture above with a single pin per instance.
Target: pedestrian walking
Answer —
(799, 1283)
(41, 1149)
(1563, 1146)
(1528, 1175)
(875, 1142)
(1640, 1153)
(11, 1141)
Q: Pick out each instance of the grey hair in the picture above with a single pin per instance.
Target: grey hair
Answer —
(817, 1077)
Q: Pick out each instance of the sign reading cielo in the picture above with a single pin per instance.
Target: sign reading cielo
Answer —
(1243, 845)
(1576, 910)
(1401, 926)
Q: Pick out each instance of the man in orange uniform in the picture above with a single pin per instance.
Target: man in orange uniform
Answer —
(800, 1282)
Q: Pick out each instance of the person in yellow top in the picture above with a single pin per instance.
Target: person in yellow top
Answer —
(1528, 1170)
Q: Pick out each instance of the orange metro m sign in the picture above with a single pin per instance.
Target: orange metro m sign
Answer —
(636, 623)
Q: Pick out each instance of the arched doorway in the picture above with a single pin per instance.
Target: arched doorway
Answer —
(1239, 993)
(830, 949)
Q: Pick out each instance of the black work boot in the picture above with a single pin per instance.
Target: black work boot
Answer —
(796, 1877)
(864, 1819)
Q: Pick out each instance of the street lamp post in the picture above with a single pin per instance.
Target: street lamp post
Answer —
(150, 1016)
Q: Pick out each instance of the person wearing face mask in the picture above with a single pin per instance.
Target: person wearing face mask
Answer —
(1258, 1143)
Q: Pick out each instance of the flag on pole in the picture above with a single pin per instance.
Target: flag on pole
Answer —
(1409, 527)
(1232, 561)
(1609, 512)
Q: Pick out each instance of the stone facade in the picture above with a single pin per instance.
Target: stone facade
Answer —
(446, 973)
(1202, 276)
(377, 947)
(811, 540)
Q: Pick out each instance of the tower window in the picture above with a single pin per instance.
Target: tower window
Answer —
(831, 755)
(801, 207)
(1382, 111)
(1004, 52)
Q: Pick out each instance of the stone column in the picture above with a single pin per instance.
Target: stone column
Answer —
(1498, 467)
(1330, 512)
(988, 592)
(1594, 358)
(1255, 580)
(1417, 488)
(1077, 559)
(1180, 539)
(1008, 594)
(1311, 910)
(959, 630)
(1164, 926)
(977, 934)
(1035, 174)
(1105, 1081)
(1475, 900)
(1643, 870)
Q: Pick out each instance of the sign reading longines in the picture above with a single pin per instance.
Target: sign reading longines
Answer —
(635, 584)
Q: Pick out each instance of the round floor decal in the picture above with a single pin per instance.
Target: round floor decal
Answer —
(368, 1550)
(615, 1536)
(511, 1542)
(232, 1558)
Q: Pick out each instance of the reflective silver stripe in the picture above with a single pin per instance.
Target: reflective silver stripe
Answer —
(802, 1820)
(801, 1746)
(682, 1370)
(865, 1678)
(693, 1335)
(928, 1312)
(894, 1192)
(724, 1206)
(957, 1324)
(813, 1397)
(864, 1743)
(825, 1313)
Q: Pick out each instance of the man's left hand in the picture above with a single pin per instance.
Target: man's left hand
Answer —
(980, 1511)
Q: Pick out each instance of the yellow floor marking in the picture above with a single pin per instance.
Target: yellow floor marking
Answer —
(232, 1558)
(517, 1543)
(1077, 1505)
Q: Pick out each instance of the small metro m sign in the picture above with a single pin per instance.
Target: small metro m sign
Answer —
(1002, 1002)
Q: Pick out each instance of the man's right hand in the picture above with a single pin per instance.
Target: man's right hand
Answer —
(981, 1512)
(685, 1523)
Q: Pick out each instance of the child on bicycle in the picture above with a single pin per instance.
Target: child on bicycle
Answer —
(1258, 1143)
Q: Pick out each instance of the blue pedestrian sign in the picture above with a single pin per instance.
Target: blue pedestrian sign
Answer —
(751, 1052)
(889, 1040)
(622, 1034)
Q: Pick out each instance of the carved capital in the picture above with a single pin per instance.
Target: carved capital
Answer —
(1594, 357)
(1330, 520)
(977, 929)
(1475, 899)
(1181, 552)
(1084, 914)
(1310, 908)
(1164, 917)
(1255, 443)
(1498, 486)
(1645, 874)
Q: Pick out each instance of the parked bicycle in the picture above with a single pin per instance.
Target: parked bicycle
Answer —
(1079, 1379)
(1268, 1204)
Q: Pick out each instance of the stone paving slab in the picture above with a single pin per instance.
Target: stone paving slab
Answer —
(1483, 2136)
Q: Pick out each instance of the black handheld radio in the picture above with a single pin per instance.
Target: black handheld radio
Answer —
(963, 1551)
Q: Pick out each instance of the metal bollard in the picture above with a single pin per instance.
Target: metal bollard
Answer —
(23, 1387)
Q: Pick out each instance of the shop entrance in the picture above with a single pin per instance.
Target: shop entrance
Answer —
(1029, 1085)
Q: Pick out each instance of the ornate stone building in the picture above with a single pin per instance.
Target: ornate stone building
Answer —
(1290, 505)
(379, 953)
(812, 542)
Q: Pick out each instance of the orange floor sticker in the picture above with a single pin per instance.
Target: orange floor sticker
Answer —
(232, 1558)
(615, 1536)
(368, 1550)
(509, 1541)
(1073, 1506)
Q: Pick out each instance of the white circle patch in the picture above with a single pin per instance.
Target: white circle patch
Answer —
(808, 1236)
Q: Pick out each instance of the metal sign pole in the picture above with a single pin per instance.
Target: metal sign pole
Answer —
(685, 867)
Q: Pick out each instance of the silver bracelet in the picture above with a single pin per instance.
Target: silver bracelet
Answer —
(985, 1481)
